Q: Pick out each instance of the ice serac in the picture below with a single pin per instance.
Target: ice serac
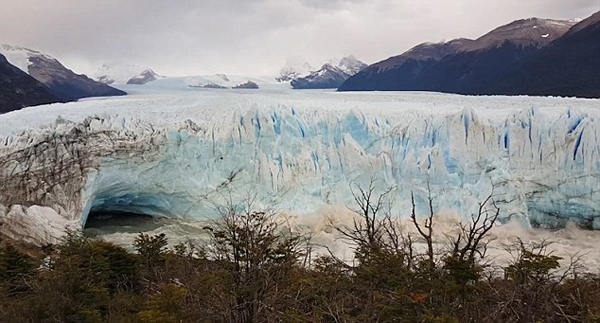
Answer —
(541, 164)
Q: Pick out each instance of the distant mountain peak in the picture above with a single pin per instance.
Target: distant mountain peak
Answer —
(293, 69)
(117, 73)
(351, 65)
(146, 76)
(330, 75)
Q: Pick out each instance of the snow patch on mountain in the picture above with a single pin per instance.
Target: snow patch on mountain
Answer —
(20, 56)
(145, 77)
(351, 65)
(122, 73)
(331, 74)
(293, 69)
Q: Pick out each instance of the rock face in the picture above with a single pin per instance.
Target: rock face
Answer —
(465, 66)
(61, 81)
(248, 85)
(330, 76)
(144, 77)
(18, 90)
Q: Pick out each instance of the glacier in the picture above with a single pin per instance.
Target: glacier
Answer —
(178, 154)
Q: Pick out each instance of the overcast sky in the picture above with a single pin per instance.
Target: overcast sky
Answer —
(253, 37)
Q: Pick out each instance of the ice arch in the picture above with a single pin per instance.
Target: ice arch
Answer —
(127, 202)
(303, 155)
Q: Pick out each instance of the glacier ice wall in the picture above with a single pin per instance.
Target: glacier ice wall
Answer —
(541, 166)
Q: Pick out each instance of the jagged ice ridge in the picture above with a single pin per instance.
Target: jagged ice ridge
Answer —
(175, 155)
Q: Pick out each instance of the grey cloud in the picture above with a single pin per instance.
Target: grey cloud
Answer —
(253, 36)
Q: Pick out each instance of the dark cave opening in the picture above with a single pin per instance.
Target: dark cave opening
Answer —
(102, 222)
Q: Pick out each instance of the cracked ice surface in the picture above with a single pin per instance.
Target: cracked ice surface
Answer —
(177, 154)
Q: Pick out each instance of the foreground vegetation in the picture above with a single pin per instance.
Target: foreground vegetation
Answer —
(254, 268)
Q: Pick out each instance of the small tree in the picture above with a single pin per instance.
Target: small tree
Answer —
(152, 249)
(16, 269)
(260, 254)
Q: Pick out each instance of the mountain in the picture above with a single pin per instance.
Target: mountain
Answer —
(293, 69)
(330, 75)
(125, 74)
(215, 82)
(61, 81)
(19, 90)
(144, 77)
(567, 67)
(422, 52)
(461, 66)
(350, 65)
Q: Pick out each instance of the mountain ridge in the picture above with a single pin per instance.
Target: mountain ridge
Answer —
(465, 66)
(62, 82)
(19, 90)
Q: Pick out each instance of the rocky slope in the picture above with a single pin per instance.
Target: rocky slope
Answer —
(567, 67)
(461, 66)
(62, 82)
(18, 90)
(146, 76)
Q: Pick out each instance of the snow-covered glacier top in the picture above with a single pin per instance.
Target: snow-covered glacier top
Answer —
(174, 153)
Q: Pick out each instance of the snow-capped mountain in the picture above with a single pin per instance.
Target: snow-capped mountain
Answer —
(62, 82)
(125, 73)
(328, 77)
(331, 75)
(144, 77)
(351, 65)
(19, 90)
(214, 81)
(293, 69)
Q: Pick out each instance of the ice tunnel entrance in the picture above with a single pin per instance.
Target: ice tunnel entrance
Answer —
(119, 212)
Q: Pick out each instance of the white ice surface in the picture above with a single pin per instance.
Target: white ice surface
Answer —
(300, 150)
